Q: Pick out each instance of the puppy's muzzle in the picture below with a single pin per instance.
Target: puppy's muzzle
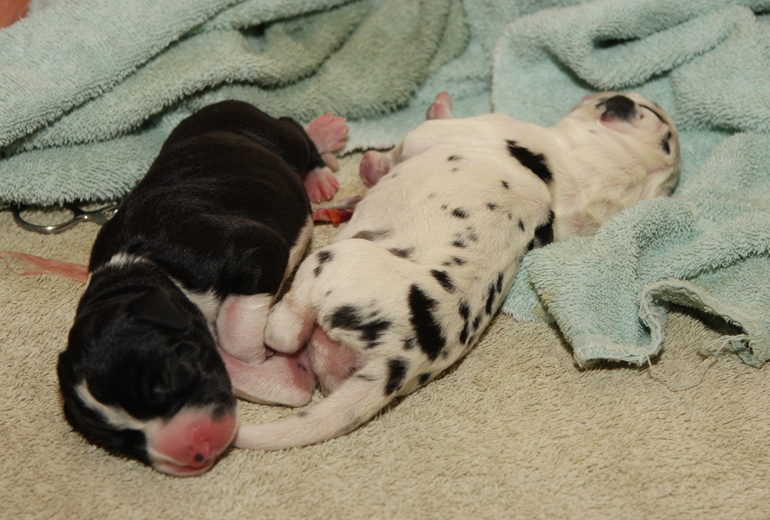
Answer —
(619, 107)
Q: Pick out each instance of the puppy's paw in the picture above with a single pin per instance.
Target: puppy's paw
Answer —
(327, 132)
(441, 107)
(374, 166)
(321, 184)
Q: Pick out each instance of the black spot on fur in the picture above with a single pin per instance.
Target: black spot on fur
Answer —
(409, 343)
(465, 311)
(402, 253)
(453, 158)
(490, 299)
(345, 317)
(667, 143)
(372, 235)
(505, 185)
(444, 206)
(510, 216)
(429, 334)
(349, 318)
(535, 162)
(459, 243)
(443, 278)
(453, 261)
(491, 206)
(521, 225)
(499, 285)
(396, 374)
(476, 323)
(543, 234)
(656, 113)
(424, 378)
(324, 256)
(459, 213)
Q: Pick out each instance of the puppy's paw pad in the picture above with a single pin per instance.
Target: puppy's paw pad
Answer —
(374, 166)
(327, 132)
(321, 184)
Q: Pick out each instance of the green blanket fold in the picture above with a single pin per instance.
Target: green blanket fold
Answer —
(89, 89)
(706, 247)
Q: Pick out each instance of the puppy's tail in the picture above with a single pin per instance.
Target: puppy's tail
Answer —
(356, 401)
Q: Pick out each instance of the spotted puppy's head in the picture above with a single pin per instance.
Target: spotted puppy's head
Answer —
(142, 378)
(621, 148)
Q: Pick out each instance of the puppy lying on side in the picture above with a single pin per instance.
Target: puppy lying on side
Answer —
(408, 287)
(202, 244)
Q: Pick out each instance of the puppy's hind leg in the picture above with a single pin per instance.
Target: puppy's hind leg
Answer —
(375, 165)
(441, 107)
(257, 372)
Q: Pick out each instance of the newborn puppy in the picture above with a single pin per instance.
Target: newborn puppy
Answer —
(192, 260)
(408, 287)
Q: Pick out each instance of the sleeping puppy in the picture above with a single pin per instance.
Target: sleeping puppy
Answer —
(409, 286)
(191, 262)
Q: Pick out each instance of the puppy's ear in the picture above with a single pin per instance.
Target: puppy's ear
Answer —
(157, 308)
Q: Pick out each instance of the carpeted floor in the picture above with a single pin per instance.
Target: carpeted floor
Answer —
(514, 431)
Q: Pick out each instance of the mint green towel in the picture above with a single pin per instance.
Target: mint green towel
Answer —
(89, 89)
(708, 246)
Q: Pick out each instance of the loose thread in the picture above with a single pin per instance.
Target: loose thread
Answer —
(714, 350)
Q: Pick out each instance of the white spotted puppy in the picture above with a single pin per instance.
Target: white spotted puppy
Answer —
(407, 288)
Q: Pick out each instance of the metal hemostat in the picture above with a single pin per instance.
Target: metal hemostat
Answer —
(98, 216)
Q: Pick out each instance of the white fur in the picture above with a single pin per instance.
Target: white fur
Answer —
(408, 287)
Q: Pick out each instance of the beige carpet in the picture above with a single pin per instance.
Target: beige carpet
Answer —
(514, 431)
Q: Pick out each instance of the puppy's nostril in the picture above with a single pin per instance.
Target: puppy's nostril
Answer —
(619, 106)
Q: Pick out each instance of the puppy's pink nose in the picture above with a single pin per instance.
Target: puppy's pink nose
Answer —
(203, 453)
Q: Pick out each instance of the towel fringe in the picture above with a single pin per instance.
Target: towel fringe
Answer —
(713, 350)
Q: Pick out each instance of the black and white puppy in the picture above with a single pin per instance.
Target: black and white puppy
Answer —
(408, 287)
(191, 262)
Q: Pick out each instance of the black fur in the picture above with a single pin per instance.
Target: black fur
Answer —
(430, 337)
(535, 162)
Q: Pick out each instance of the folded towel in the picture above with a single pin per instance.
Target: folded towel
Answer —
(89, 89)
(708, 246)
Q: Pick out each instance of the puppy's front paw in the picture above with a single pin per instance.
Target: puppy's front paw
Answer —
(321, 184)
